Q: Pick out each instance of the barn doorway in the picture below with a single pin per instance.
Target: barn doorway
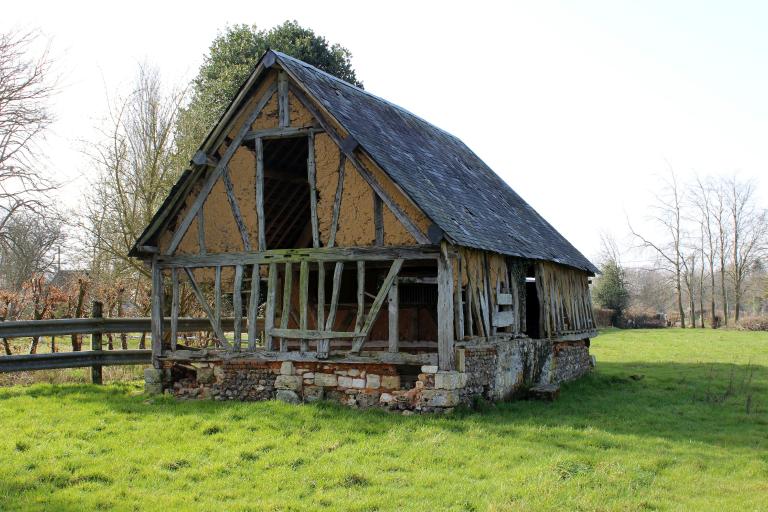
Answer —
(287, 213)
(532, 308)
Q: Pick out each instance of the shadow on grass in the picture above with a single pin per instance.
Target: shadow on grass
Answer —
(718, 404)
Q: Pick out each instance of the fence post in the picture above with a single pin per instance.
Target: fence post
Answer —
(96, 312)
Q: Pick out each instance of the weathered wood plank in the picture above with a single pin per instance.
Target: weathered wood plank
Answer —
(505, 299)
(445, 340)
(320, 321)
(217, 171)
(217, 297)
(253, 307)
(458, 310)
(284, 110)
(376, 306)
(237, 306)
(201, 231)
(400, 358)
(393, 308)
(260, 194)
(216, 326)
(360, 295)
(468, 306)
(235, 207)
(158, 292)
(407, 222)
(269, 312)
(285, 312)
(329, 254)
(337, 201)
(303, 302)
(312, 179)
(503, 318)
(311, 334)
(378, 219)
(174, 307)
(323, 345)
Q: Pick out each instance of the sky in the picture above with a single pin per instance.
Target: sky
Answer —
(582, 107)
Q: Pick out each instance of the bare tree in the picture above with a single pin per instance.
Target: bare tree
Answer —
(29, 247)
(748, 231)
(25, 89)
(669, 217)
(704, 202)
(134, 171)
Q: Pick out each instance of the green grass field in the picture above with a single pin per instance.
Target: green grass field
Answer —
(670, 420)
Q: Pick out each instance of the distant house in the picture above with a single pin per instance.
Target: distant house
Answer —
(370, 257)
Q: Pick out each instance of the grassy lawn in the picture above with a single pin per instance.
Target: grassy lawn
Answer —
(671, 420)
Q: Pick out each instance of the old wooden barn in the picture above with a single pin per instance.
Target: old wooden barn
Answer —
(366, 256)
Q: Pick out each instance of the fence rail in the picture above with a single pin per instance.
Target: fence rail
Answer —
(96, 326)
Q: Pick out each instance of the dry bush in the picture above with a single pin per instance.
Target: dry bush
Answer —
(754, 323)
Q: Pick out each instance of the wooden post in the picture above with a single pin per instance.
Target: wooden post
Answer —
(237, 307)
(174, 308)
(458, 309)
(394, 317)
(253, 307)
(378, 219)
(96, 312)
(269, 314)
(360, 295)
(217, 302)
(157, 312)
(445, 352)
(285, 312)
(324, 346)
(303, 302)
(312, 179)
(260, 194)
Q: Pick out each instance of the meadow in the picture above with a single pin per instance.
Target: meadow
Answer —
(670, 420)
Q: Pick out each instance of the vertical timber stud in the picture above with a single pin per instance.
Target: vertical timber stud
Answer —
(320, 296)
(237, 307)
(303, 302)
(285, 312)
(174, 308)
(269, 313)
(445, 354)
(260, 193)
(312, 179)
(201, 230)
(324, 346)
(253, 307)
(157, 312)
(96, 312)
(458, 309)
(360, 295)
(217, 302)
(378, 219)
(393, 307)
(284, 108)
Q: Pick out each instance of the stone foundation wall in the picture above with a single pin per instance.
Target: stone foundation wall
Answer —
(498, 369)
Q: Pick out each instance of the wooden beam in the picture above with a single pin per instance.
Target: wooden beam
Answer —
(260, 194)
(174, 307)
(458, 310)
(407, 222)
(320, 319)
(393, 308)
(253, 307)
(378, 219)
(230, 190)
(217, 298)
(337, 201)
(201, 231)
(218, 171)
(312, 179)
(284, 108)
(376, 306)
(206, 308)
(329, 254)
(323, 346)
(360, 295)
(157, 311)
(445, 340)
(237, 306)
(311, 334)
(281, 133)
(303, 302)
(269, 313)
(285, 312)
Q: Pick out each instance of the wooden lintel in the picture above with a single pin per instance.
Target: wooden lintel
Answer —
(388, 253)
(282, 132)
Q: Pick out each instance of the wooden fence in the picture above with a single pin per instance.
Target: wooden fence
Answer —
(96, 327)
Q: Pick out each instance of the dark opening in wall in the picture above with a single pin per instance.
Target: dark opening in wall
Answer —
(287, 214)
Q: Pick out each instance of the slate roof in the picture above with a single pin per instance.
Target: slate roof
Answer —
(449, 182)
(472, 205)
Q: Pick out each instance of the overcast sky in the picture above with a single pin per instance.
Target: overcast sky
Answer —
(579, 106)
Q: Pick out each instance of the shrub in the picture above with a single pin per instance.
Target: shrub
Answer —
(754, 323)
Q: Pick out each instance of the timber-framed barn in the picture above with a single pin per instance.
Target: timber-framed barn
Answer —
(344, 248)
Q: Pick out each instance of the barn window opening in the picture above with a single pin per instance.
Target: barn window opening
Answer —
(532, 308)
(287, 215)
